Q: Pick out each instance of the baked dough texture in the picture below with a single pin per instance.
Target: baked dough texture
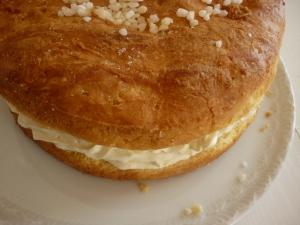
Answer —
(142, 91)
(102, 168)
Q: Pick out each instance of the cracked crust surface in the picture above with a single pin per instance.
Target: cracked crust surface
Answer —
(142, 91)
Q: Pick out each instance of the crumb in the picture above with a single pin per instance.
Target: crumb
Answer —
(268, 114)
(244, 164)
(262, 129)
(269, 93)
(197, 209)
(143, 187)
(265, 163)
(188, 211)
(242, 177)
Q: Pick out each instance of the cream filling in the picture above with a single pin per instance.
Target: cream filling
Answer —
(121, 158)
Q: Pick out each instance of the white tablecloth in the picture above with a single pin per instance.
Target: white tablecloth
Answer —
(281, 204)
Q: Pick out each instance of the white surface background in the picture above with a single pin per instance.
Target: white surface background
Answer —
(281, 204)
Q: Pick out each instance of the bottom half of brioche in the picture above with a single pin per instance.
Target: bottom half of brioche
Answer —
(102, 168)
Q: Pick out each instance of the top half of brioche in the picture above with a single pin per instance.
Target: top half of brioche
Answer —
(143, 90)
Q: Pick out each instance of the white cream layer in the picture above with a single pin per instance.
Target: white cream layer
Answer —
(120, 158)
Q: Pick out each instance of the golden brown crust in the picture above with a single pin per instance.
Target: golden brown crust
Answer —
(164, 90)
(104, 169)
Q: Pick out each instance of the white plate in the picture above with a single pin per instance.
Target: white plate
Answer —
(36, 188)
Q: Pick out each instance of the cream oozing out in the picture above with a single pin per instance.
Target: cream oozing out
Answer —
(121, 158)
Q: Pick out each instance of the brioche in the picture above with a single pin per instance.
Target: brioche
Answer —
(185, 70)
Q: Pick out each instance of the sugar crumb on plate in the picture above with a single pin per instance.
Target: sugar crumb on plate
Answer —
(143, 187)
(263, 128)
(195, 210)
(269, 93)
(244, 164)
(242, 177)
(188, 211)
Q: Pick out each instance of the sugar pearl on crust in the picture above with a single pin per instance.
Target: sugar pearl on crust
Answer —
(218, 44)
(182, 12)
(87, 19)
(123, 32)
